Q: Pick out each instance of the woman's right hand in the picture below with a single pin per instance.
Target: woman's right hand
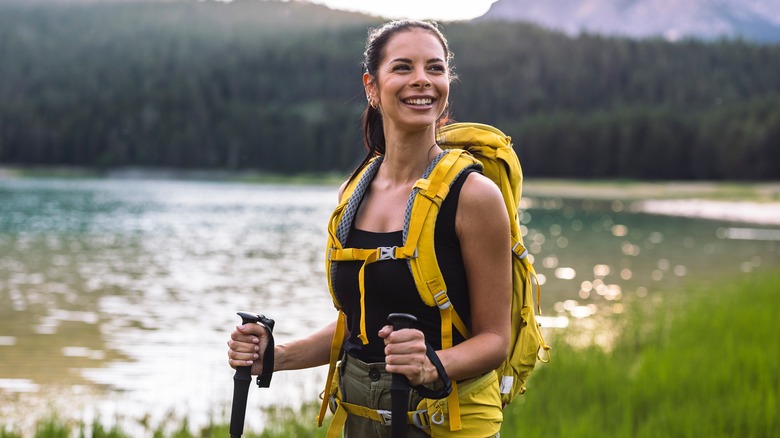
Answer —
(246, 346)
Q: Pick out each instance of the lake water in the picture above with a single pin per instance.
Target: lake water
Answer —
(117, 296)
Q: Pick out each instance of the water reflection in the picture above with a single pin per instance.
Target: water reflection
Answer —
(613, 253)
(132, 287)
(129, 288)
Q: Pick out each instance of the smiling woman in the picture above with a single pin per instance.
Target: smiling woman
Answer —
(406, 77)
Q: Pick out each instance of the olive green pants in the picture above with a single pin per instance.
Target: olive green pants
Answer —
(368, 384)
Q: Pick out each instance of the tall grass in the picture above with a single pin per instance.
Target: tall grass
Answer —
(706, 365)
(702, 363)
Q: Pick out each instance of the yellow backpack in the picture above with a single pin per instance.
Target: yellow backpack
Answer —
(467, 145)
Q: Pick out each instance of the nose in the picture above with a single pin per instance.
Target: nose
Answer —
(421, 83)
(421, 80)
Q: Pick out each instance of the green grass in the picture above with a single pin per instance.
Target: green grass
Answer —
(283, 422)
(706, 365)
(702, 363)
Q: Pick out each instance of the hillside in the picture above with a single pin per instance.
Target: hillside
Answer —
(275, 86)
(756, 20)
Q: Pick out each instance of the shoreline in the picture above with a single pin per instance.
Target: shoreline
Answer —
(751, 203)
(756, 213)
(746, 202)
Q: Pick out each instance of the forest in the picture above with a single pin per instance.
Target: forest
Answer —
(274, 86)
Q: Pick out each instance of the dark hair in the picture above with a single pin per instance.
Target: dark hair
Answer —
(373, 126)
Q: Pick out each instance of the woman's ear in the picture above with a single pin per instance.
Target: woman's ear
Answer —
(369, 85)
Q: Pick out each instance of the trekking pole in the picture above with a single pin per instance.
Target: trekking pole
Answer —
(243, 375)
(399, 388)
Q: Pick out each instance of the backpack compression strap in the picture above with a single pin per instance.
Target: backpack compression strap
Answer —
(335, 350)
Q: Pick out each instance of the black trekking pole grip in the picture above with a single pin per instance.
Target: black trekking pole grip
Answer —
(243, 376)
(399, 388)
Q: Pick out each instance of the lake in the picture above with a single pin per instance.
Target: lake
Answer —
(117, 296)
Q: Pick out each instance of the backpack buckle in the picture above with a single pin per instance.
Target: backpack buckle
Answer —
(516, 248)
(420, 419)
(437, 418)
(387, 252)
(442, 300)
(386, 417)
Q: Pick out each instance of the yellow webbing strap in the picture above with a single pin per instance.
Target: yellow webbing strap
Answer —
(361, 254)
(446, 342)
(335, 350)
(430, 196)
(362, 282)
(433, 189)
(417, 418)
(337, 423)
(521, 253)
(460, 325)
(368, 256)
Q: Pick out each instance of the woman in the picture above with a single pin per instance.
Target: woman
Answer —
(407, 82)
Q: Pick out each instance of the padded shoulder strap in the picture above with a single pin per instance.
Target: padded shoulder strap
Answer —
(427, 197)
(342, 217)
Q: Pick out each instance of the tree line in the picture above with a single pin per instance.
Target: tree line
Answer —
(275, 86)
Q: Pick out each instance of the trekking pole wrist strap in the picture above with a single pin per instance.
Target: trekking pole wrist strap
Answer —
(443, 392)
(264, 379)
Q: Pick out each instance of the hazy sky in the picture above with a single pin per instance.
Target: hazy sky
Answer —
(434, 9)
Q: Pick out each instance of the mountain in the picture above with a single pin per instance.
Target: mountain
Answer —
(754, 20)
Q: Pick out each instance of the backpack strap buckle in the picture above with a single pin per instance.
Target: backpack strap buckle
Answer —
(386, 417)
(442, 300)
(437, 418)
(420, 419)
(519, 250)
(387, 252)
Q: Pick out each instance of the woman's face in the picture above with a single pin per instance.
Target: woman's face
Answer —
(413, 82)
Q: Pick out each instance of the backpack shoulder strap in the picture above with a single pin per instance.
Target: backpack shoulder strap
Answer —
(342, 217)
(338, 228)
(424, 204)
(419, 225)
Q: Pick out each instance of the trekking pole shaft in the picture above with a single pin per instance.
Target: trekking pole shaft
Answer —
(399, 388)
(241, 382)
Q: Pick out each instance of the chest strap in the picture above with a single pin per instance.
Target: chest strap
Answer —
(367, 256)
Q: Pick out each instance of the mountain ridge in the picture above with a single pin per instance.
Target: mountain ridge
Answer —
(755, 20)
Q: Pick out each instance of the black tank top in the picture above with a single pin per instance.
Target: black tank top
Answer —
(390, 286)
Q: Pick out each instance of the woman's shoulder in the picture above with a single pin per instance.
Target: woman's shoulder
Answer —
(481, 190)
(481, 205)
(341, 189)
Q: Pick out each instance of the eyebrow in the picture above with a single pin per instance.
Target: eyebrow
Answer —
(409, 61)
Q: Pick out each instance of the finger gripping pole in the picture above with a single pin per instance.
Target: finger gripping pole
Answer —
(401, 320)
(399, 388)
(243, 376)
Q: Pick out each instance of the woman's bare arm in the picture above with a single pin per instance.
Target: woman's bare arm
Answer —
(247, 344)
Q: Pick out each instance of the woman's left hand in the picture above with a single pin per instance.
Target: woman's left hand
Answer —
(405, 353)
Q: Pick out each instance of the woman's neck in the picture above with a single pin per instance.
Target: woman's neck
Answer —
(407, 156)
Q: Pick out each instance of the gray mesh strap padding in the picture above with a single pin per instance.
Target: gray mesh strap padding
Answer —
(348, 217)
(410, 202)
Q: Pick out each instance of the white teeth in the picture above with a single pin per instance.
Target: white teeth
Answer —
(419, 101)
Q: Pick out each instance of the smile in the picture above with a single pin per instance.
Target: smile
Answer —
(419, 101)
